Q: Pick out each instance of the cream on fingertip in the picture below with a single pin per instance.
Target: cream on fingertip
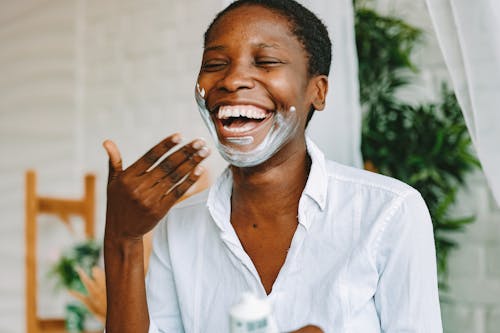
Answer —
(198, 170)
(198, 144)
(203, 152)
(177, 138)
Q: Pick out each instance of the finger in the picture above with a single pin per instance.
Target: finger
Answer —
(89, 284)
(178, 191)
(79, 296)
(99, 277)
(86, 301)
(154, 154)
(169, 168)
(172, 163)
(115, 159)
(182, 171)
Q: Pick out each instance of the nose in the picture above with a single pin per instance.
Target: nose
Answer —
(237, 76)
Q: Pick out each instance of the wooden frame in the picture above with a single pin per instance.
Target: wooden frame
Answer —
(63, 208)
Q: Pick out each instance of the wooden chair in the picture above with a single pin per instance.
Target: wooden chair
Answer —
(63, 208)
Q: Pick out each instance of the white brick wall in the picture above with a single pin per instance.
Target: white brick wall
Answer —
(472, 303)
(141, 62)
(36, 127)
(75, 72)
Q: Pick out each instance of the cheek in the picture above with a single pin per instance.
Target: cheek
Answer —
(202, 81)
(208, 80)
(284, 88)
(204, 85)
(289, 83)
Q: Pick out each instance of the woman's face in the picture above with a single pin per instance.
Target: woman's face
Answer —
(255, 85)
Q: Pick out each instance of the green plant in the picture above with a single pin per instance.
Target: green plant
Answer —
(84, 255)
(426, 145)
(384, 47)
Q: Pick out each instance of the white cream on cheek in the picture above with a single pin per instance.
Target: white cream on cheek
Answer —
(285, 125)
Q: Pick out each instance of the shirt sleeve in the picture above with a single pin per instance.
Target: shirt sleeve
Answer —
(407, 298)
(163, 305)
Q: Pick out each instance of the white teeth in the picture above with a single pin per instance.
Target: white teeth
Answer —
(241, 129)
(248, 111)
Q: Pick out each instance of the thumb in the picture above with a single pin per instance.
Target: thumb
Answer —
(115, 159)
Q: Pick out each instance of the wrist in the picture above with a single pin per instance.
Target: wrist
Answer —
(115, 232)
(122, 253)
(112, 239)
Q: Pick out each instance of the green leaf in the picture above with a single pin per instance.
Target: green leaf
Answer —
(85, 255)
(426, 145)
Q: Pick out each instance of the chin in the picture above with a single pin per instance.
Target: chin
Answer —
(247, 134)
(244, 145)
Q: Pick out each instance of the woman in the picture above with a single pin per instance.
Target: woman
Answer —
(332, 247)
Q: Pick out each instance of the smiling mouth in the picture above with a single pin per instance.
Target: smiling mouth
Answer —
(241, 120)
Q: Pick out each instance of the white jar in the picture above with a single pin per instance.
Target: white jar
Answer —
(252, 315)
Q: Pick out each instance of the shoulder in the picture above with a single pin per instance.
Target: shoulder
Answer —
(345, 180)
(373, 191)
(367, 181)
(382, 206)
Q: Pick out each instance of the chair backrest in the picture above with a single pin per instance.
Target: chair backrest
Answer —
(63, 208)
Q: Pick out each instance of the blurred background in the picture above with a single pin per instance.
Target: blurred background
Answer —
(76, 72)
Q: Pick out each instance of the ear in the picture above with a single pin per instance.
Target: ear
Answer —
(319, 85)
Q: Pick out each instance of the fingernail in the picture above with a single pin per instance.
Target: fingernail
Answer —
(198, 170)
(177, 138)
(203, 152)
(198, 144)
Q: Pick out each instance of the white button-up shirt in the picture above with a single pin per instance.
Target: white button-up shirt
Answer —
(361, 260)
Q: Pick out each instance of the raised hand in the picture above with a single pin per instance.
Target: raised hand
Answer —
(139, 196)
(95, 298)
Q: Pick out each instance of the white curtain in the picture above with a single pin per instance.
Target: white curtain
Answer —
(469, 36)
(337, 129)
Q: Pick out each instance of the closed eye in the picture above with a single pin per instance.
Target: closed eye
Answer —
(213, 66)
(268, 62)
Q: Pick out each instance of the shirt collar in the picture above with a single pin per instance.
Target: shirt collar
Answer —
(317, 182)
(219, 200)
(219, 196)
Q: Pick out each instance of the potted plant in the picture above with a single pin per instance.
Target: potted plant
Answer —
(425, 145)
(83, 256)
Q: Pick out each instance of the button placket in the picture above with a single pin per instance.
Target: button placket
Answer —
(239, 257)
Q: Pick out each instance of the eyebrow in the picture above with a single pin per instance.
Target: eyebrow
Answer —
(264, 46)
(215, 48)
(259, 45)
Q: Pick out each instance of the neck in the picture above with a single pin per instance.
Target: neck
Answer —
(270, 193)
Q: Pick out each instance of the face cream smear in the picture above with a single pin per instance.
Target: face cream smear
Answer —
(284, 126)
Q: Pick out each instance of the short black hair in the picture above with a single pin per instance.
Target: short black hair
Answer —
(305, 25)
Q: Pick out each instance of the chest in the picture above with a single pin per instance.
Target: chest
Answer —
(311, 288)
(267, 247)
